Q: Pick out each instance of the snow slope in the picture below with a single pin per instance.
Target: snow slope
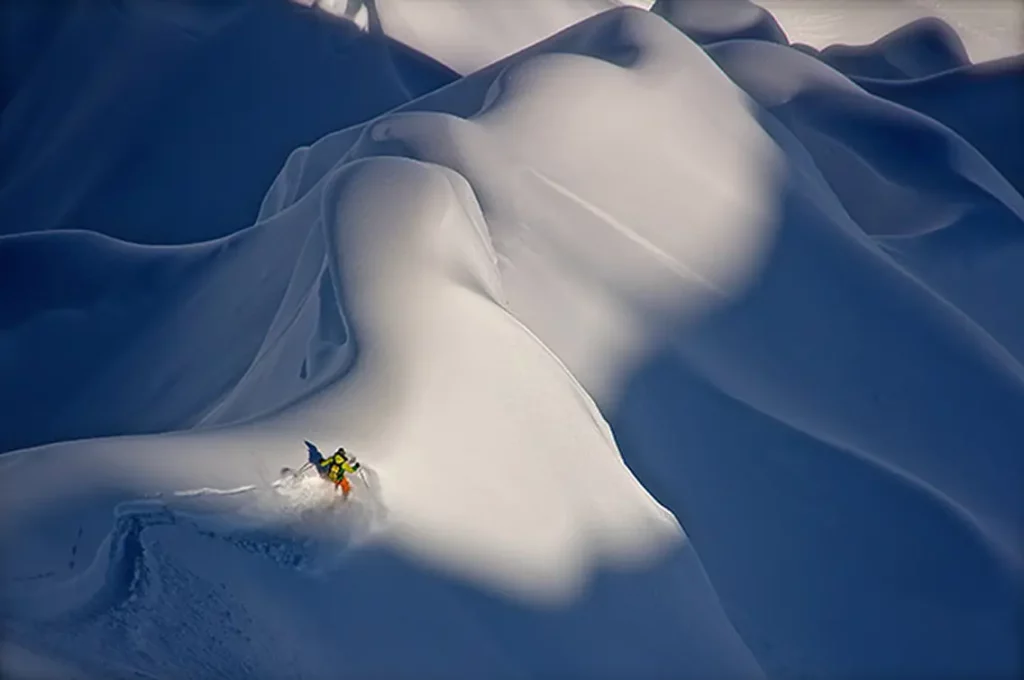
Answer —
(740, 385)
(163, 122)
(467, 36)
(989, 29)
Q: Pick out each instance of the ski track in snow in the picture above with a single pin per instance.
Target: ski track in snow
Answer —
(644, 321)
(207, 491)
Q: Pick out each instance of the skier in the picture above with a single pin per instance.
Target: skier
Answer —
(333, 468)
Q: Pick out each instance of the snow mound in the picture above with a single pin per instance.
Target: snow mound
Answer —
(658, 326)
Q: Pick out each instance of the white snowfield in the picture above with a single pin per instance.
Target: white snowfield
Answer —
(670, 350)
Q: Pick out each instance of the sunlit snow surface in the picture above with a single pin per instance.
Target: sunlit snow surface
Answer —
(671, 350)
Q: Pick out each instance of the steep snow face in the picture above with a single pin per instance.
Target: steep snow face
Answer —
(427, 339)
(740, 270)
(84, 85)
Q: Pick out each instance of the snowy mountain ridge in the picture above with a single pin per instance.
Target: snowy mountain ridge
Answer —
(740, 381)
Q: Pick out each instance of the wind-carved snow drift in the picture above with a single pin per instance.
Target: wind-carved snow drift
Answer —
(783, 295)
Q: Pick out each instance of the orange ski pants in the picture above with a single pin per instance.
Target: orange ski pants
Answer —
(346, 486)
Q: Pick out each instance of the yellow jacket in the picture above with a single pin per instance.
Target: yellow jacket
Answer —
(334, 467)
